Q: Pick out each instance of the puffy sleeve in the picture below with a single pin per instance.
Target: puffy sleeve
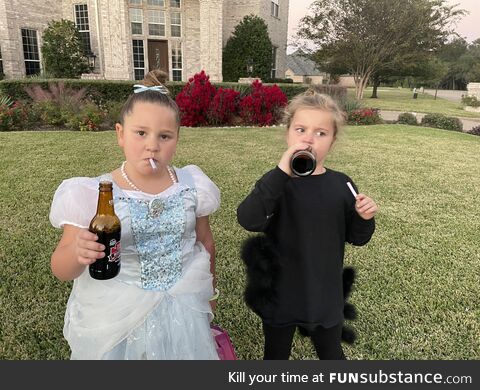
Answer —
(74, 202)
(208, 194)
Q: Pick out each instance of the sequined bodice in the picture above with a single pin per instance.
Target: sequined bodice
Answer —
(157, 227)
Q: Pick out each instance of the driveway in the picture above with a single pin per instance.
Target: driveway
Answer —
(454, 96)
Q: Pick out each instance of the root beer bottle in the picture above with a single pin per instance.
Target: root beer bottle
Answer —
(106, 225)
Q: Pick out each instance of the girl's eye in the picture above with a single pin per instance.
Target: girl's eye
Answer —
(299, 130)
(320, 133)
(141, 133)
(165, 136)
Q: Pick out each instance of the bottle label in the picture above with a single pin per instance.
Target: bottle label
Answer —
(114, 255)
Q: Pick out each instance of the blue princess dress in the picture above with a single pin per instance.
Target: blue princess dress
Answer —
(158, 305)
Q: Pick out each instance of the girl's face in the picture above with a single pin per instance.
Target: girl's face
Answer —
(314, 127)
(149, 131)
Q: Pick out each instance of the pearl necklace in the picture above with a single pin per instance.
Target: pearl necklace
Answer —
(124, 175)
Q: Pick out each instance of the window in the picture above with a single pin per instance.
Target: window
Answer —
(1, 63)
(136, 17)
(176, 61)
(136, 2)
(176, 24)
(175, 3)
(275, 8)
(81, 21)
(274, 62)
(30, 51)
(160, 3)
(156, 22)
(138, 59)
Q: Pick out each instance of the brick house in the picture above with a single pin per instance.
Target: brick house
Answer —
(131, 37)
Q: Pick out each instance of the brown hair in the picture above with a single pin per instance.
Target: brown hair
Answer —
(153, 78)
(311, 98)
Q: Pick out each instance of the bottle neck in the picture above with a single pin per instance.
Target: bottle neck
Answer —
(105, 203)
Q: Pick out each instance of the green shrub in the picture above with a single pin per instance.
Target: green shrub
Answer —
(349, 105)
(13, 116)
(441, 121)
(407, 118)
(103, 91)
(471, 101)
(475, 130)
(364, 116)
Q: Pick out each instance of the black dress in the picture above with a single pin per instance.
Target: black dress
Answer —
(307, 220)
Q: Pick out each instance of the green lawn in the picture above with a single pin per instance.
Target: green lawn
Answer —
(417, 289)
(395, 99)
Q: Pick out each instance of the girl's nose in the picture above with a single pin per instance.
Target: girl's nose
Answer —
(152, 146)
(308, 138)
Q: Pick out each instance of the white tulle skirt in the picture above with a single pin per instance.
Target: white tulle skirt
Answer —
(116, 320)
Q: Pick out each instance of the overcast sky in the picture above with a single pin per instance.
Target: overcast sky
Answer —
(469, 26)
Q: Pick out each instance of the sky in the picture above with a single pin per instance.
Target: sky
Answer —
(468, 27)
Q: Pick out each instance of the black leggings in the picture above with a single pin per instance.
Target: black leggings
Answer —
(278, 342)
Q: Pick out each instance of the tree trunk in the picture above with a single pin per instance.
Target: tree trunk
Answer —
(436, 90)
(376, 83)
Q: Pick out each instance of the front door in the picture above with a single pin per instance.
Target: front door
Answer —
(158, 55)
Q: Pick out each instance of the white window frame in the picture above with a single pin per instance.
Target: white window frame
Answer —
(136, 16)
(175, 24)
(275, 8)
(133, 57)
(176, 45)
(273, 73)
(161, 3)
(174, 5)
(36, 53)
(135, 2)
(88, 47)
(156, 17)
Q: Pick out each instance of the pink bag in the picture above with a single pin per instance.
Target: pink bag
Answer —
(224, 344)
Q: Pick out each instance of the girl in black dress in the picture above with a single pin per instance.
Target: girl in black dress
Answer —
(295, 271)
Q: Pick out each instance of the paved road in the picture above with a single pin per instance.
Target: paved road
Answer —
(454, 96)
(468, 124)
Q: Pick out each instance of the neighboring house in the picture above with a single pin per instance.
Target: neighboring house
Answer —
(131, 37)
(303, 70)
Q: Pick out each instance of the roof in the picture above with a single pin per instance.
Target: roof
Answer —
(301, 65)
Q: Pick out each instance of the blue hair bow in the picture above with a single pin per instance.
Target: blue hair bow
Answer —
(137, 88)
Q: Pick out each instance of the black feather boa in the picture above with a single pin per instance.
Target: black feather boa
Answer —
(261, 261)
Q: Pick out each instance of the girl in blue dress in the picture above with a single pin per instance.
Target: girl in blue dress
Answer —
(158, 307)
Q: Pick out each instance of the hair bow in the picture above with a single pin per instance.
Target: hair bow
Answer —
(137, 88)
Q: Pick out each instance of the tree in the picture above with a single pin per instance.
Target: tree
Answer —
(366, 35)
(248, 45)
(62, 50)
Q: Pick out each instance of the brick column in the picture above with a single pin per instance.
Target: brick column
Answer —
(211, 18)
(116, 40)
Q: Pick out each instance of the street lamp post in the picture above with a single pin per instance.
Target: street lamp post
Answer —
(91, 60)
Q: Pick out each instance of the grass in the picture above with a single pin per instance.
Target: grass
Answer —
(395, 99)
(417, 289)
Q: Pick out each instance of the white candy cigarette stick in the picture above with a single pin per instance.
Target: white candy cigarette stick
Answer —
(152, 163)
(352, 190)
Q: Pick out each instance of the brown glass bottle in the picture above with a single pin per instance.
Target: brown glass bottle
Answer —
(106, 225)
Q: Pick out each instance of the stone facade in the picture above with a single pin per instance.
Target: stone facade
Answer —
(205, 27)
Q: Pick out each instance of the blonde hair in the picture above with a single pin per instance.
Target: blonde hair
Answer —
(153, 78)
(311, 98)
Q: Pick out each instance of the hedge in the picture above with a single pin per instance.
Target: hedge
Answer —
(118, 90)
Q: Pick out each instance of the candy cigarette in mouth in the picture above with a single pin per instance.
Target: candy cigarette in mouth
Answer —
(352, 190)
(152, 163)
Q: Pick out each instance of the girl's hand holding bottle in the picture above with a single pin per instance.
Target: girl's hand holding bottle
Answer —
(87, 249)
(284, 163)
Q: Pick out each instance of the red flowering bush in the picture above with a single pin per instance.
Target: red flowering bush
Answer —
(13, 116)
(364, 116)
(263, 106)
(224, 107)
(195, 99)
